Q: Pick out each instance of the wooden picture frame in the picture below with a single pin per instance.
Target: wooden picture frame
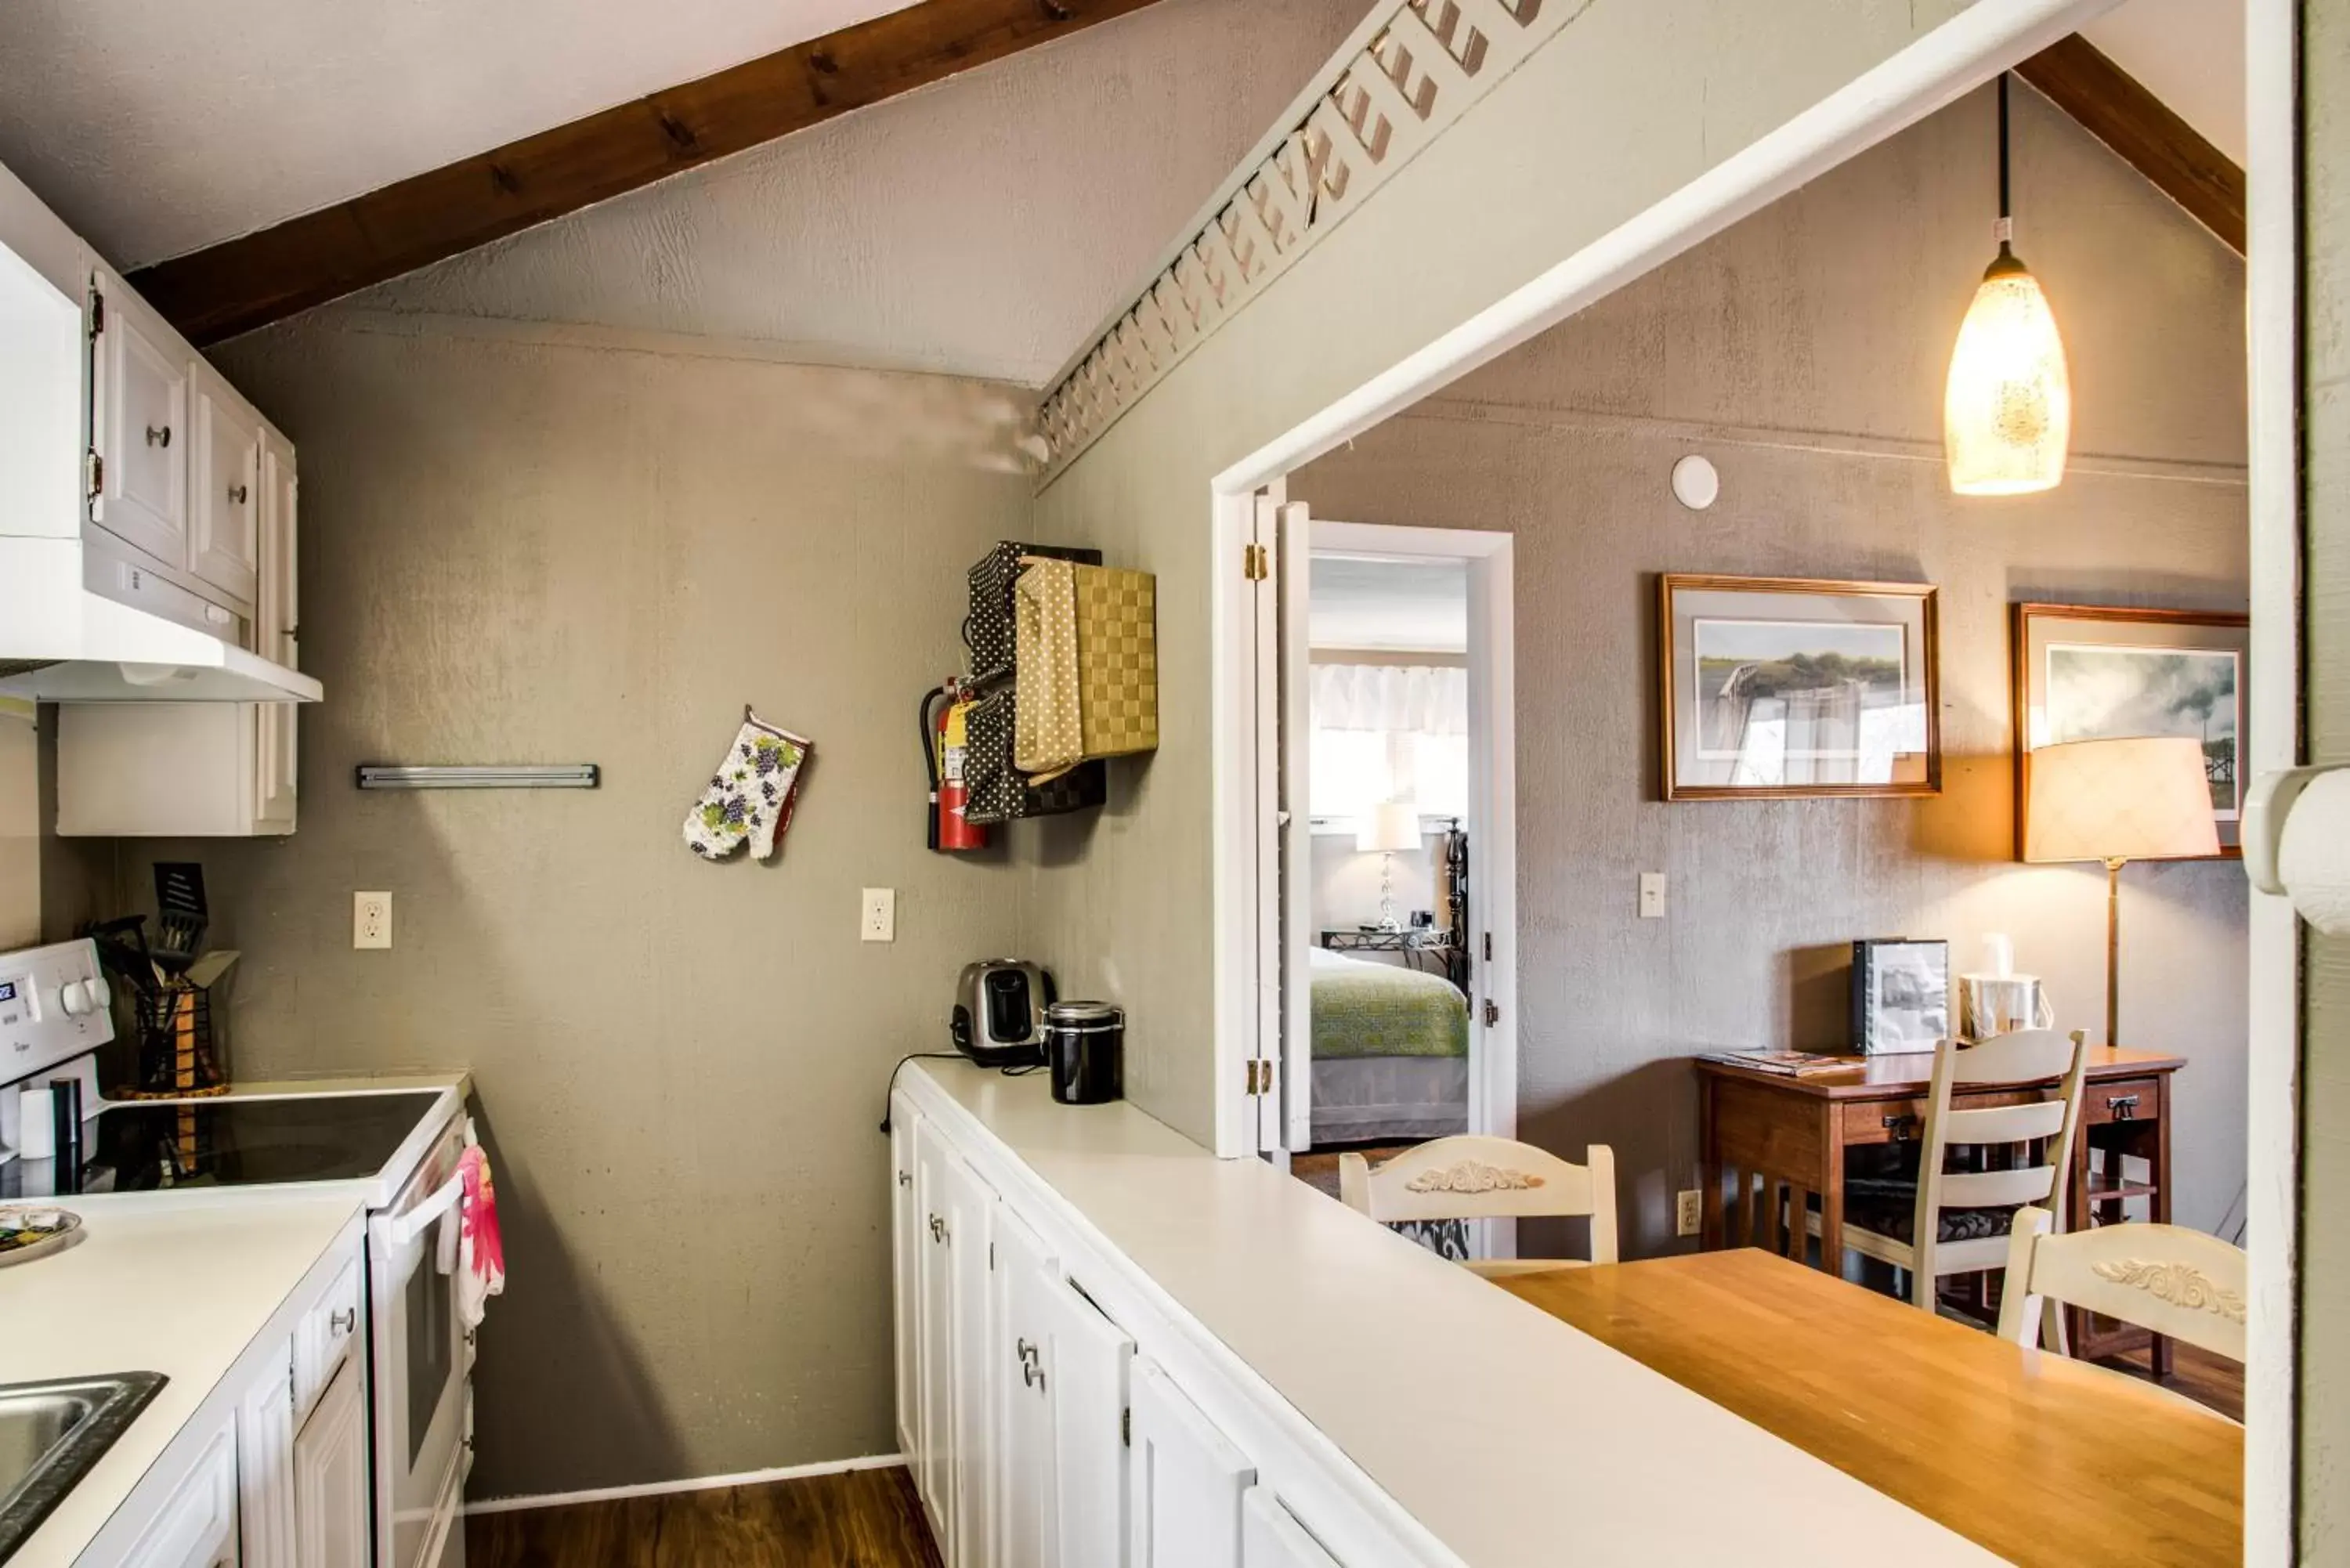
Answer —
(1882, 727)
(2209, 636)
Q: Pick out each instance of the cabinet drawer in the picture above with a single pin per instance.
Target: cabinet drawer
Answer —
(323, 1337)
(1904, 1121)
(196, 1526)
(2127, 1100)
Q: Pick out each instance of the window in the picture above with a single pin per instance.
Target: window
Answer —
(1384, 733)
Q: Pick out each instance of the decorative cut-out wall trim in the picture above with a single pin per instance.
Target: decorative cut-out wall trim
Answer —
(1472, 1176)
(2174, 1282)
(1379, 103)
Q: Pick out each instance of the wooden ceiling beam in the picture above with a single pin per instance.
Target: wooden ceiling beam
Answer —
(258, 278)
(2113, 107)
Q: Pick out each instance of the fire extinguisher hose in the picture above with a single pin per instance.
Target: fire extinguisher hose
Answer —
(930, 763)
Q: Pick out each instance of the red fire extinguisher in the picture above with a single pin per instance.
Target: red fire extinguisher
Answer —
(945, 709)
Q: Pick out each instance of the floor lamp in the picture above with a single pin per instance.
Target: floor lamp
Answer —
(2118, 801)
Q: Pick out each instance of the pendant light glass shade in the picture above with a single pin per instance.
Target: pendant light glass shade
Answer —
(2007, 411)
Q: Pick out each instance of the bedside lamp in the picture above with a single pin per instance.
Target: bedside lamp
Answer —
(2118, 801)
(1391, 826)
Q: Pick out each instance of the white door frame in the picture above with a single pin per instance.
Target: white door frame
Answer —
(1493, 793)
(1962, 54)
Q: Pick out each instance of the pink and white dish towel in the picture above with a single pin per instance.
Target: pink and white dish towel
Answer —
(481, 1255)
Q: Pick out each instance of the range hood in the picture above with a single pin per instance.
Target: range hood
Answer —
(75, 624)
(59, 642)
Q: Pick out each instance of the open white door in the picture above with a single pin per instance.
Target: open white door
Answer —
(1265, 573)
(1293, 568)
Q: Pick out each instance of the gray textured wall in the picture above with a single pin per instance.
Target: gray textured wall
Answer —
(2325, 1071)
(522, 551)
(1803, 351)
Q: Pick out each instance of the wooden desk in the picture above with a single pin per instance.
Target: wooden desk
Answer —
(2038, 1458)
(1760, 1134)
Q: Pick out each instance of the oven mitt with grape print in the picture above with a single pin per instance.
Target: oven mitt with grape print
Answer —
(751, 794)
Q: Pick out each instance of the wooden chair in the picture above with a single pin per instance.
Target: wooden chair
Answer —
(2179, 1283)
(2023, 1155)
(1489, 1179)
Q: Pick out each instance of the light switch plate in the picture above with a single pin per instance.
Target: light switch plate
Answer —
(371, 920)
(1652, 895)
(879, 923)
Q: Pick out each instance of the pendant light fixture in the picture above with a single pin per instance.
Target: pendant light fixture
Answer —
(2007, 410)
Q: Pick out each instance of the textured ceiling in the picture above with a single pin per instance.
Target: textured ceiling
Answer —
(155, 128)
(1360, 601)
(2187, 52)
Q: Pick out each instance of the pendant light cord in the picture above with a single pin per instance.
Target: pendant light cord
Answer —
(2006, 216)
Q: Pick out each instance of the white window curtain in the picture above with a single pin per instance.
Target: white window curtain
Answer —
(1388, 732)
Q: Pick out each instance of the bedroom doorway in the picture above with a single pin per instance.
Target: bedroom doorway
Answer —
(1396, 881)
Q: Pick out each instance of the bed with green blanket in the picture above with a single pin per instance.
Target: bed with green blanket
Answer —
(1390, 1052)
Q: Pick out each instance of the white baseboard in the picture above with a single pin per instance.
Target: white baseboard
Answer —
(695, 1483)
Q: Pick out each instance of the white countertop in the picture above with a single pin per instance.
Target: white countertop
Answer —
(1518, 1441)
(179, 1283)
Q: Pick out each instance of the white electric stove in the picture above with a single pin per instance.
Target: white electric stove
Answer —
(396, 1149)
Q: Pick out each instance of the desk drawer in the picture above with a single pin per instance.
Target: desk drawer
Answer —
(2124, 1100)
(1904, 1121)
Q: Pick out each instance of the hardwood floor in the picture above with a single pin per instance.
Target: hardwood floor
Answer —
(1319, 1169)
(859, 1518)
(2205, 1378)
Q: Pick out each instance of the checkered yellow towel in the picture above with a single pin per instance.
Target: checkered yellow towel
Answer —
(1087, 649)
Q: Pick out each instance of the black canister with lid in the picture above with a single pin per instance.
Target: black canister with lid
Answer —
(1085, 1044)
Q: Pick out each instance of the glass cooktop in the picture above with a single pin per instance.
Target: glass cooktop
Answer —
(231, 1143)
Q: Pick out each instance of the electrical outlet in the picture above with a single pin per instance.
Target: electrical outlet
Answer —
(879, 923)
(371, 920)
(1687, 1215)
(1652, 895)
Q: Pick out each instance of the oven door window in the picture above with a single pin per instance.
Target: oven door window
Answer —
(429, 1316)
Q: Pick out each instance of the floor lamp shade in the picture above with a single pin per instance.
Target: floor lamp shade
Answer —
(2141, 799)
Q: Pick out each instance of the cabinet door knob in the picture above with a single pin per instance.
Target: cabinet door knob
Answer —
(905, 1178)
(938, 1229)
(159, 435)
(344, 1321)
(237, 494)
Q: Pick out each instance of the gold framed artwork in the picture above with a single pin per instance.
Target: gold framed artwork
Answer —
(1787, 687)
(2083, 672)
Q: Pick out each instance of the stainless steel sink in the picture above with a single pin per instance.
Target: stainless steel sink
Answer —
(51, 1433)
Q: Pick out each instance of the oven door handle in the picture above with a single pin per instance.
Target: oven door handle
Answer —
(407, 1227)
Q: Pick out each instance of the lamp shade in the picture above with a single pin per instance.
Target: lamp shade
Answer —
(2146, 799)
(2007, 407)
(1394, 824)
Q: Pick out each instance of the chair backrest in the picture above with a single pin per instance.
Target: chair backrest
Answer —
(1474, 1177)
(2033, 1140)
(2168, 1278)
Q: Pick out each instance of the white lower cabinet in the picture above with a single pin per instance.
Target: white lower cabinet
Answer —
(330, 1476)
(1037, 1434)
(1186, 1481)
(282, 1481)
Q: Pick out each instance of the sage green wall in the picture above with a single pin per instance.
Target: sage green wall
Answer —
(1626, 104)
(517, 548)
(1804, 352)
(2325, 1060)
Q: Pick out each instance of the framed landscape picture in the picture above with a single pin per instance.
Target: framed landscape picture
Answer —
(1788, 686)
(2086, 673)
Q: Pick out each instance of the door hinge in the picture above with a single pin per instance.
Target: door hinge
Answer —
(96, 475)
(1255, 565)
(991, 1257)
(97, 313)
(1493, 1012)
(1126, 1425)
(1489, 947)
(1259, 1079)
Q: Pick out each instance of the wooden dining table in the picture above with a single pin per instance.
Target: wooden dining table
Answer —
(2036, 1457)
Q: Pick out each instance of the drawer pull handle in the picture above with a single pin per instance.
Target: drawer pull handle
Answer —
(238, 493)
(1899, 1126)
(938, 1229)
(344, 1321)
(2124, 1107)
(159, 435)
(905, 1179)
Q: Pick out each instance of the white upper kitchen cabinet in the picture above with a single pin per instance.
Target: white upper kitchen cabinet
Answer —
(139, 424)
(225, 484)
(1187, 1481)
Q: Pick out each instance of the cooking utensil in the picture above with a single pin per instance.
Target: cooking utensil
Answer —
(180, 916)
